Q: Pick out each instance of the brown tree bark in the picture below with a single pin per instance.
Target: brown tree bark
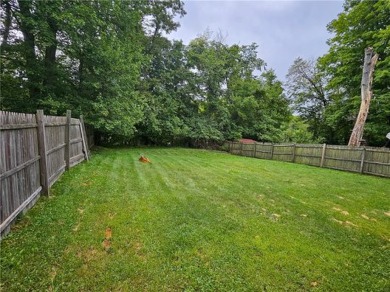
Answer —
(50, 56)
(370, 60)
(29, 49)
(7, 22)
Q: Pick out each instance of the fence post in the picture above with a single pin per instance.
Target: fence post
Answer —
(67, 138)
(362, 160)
(242, 148)
(272, 151)
(293, 154)
(44, 175)
(323, 155)
(83, 136)
(254, 150)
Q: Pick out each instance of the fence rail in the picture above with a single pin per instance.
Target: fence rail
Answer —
(369, 160)
(34, 151)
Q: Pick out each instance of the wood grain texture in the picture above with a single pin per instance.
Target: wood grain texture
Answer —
(33, 158)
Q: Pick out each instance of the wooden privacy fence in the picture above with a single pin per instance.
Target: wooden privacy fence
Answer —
(369, 160)
(34, 151)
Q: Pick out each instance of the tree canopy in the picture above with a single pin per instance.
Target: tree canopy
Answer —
(112, 62)
(327, 92)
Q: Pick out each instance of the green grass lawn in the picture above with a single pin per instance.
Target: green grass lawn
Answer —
(198, 220)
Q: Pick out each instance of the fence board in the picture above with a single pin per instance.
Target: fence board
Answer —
(84, 138)
(263, 151)
(374, 161)
(42, 145)
(32, 158)
(18, 163)
(308, 154)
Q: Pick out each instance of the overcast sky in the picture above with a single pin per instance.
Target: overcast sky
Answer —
(284, 30)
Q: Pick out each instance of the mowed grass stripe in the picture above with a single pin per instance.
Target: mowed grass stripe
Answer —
(202, 220)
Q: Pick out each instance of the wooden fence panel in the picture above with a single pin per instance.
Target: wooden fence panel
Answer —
(375, 161)
(283, 152)
(247, 149)
(19, 163)
(55, 141)
(84, 138)
(76, 146)
(235, 148)
(343, 158)
(308, 154)
(23, 149)
(264, 151)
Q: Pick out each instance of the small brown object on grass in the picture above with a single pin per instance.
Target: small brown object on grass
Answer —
(108, 233)
(107, 244)
(314, 284)
(144, 159)
(107, 239)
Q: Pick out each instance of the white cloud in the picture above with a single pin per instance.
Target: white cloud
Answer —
(283, 30)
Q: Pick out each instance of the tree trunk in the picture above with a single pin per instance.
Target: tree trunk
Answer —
(29, 50)
(366, 93)
(50, 57)
(7, 22)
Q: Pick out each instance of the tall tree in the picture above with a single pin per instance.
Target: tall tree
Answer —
(370, 60)
(306, 90)
(362, 24)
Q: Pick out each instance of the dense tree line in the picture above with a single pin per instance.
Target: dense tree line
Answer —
(88, 56)
(112, 62)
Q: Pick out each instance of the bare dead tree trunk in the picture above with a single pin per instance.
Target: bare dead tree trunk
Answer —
(370, 60)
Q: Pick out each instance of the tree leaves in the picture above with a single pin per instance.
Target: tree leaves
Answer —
(338, 75)
(110, 61)
(362, 24)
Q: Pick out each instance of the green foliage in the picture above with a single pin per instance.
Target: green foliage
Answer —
(362, 24)
(306, 90)
(80, 55)
(188, 222)
(110, 61)
(326, 94)
(259, 107)
(297, 131)
(205, 92)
